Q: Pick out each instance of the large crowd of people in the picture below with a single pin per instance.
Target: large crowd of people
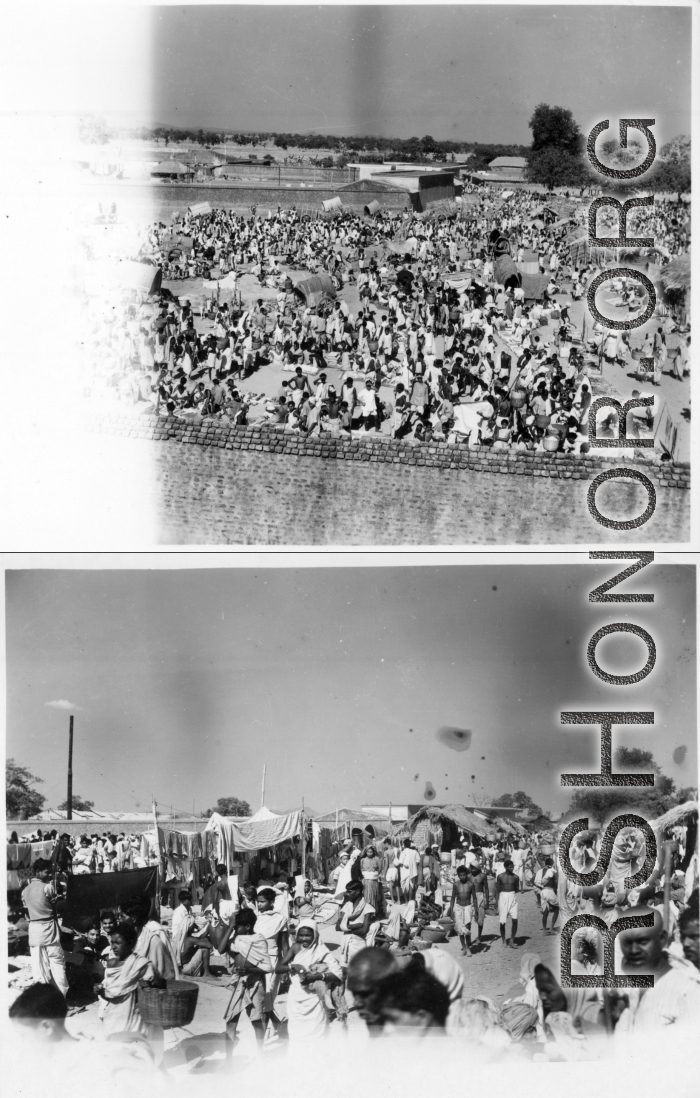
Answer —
(363, 954)
(433, 350)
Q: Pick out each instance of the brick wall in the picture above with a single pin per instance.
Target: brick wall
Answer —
(371, 448)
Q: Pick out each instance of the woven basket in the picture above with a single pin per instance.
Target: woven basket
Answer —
(171, 1006)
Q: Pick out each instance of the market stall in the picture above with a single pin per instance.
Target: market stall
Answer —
(442, 825)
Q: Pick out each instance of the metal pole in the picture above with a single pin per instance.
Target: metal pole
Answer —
(69, 810)
(262, 796)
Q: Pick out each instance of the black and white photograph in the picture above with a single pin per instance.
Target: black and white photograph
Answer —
(353, 275)
(235, 856)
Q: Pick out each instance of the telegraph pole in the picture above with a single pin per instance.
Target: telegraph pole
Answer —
(69, 810)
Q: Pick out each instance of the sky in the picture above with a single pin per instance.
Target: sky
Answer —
(185, 683)
(465, 72)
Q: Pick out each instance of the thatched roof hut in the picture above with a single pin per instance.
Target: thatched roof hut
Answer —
(676, 274)
(441, 825)
(673, 285)
(679, 815)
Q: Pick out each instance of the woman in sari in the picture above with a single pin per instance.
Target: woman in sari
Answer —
(354, 920)
(309, 963)
(251, 965)
(371, 884)
(119, 990)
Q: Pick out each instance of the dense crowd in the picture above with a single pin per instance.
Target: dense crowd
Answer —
(437, 351)
(391, 907)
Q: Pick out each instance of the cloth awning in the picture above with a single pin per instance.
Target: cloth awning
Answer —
(255, 834)
(198, 209)
(89, 893)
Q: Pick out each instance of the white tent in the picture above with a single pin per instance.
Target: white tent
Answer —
(264, 814)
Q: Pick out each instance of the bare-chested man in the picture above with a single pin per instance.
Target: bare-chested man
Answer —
(481, 899)
(507, 887)
(462, 905)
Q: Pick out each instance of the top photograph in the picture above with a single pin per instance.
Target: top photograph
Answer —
(391, 276)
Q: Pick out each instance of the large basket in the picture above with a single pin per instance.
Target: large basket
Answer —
(171, 1006)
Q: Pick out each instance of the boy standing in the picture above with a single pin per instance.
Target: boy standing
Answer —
(461, 909)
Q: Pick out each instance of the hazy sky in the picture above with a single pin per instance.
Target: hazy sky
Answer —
(453, 71)
(337, 678)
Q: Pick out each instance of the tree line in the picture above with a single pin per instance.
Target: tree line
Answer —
(555, 158)
(24, 800)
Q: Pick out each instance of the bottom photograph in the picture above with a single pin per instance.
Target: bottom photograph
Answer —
(233, 848)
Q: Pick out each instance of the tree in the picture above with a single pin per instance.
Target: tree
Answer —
(520, 800)
(77, 803)
(555, 167)
(230, 806)
(555, 127)
(21, 801)
(650, 802)
(669, 175)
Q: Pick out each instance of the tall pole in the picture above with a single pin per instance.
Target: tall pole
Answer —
(262, 795)
(160, 857)
(69, 810)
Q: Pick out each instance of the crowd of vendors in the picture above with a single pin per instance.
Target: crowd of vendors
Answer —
(359, 942)
(402, 329)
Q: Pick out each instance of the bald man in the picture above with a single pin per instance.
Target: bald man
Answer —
(365, 971)
(675, 996)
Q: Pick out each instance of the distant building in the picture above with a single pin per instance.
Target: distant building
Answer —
(510, 164)
(504, 169)
(369, 171)
(424, 187)
(172, 169)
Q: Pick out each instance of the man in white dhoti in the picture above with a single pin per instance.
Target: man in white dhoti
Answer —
(507, 888)
(39, 899)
